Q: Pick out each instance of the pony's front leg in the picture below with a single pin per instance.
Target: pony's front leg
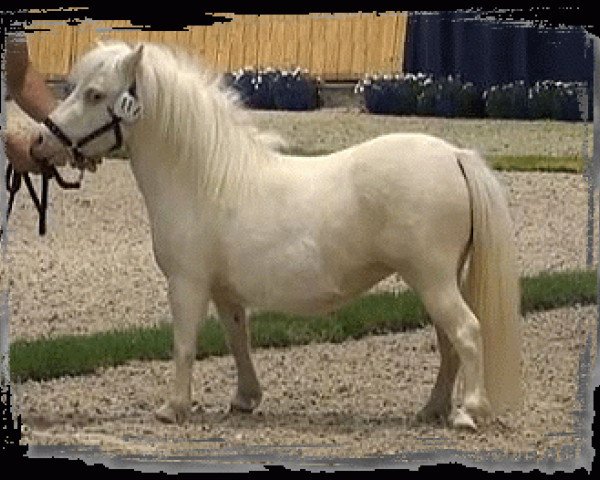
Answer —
(248, 394)
(188, 300)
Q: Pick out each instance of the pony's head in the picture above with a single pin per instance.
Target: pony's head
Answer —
(189, 119)
(97, 117)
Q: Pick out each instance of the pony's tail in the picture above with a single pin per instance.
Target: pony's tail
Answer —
(491, 288)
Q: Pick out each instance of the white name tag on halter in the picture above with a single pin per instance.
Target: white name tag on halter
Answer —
(127, 107)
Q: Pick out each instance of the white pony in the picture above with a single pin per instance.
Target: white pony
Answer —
(235, 221)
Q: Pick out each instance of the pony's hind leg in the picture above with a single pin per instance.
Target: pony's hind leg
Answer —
(248, 393)
(450, 314)
(189, 303)
(439, 405)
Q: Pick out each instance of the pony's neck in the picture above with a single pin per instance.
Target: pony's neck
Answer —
(227, 164)
(197, 132)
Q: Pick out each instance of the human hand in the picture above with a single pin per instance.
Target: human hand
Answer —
(20, 135)
(18, 153)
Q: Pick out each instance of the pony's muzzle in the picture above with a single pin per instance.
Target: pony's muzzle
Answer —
(45, 149)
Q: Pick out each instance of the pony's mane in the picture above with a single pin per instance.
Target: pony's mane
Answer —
(203, 122)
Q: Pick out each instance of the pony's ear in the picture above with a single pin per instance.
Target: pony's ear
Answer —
(130, 62)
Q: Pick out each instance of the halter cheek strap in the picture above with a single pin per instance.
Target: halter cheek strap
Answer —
(114, 124)
(129, 110)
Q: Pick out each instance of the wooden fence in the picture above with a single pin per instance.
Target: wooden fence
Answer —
(334, 47)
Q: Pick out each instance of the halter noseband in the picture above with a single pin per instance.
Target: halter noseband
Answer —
(114, 124)
(128, 110)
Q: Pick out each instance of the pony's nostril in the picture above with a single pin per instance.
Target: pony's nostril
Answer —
(40, 139)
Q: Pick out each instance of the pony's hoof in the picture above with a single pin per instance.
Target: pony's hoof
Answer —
(244, 404)
(462, 420)
(432, 414)
(169, 413)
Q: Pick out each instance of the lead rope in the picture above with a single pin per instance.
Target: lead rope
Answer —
(14, 180)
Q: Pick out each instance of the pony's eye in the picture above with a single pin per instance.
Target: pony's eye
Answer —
(94, 96)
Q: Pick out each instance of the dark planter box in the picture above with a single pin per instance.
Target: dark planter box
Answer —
(450, 98)
(507, 101)
(445, 98)
(542, 101)
(391, 97)
(426, 102)
(557, 101)
(568, 106)
(470, 101)
(295, 92)
(255, 89)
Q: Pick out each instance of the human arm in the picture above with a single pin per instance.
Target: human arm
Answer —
(25, 84)
(28, 89)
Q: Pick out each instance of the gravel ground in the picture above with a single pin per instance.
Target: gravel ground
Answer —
(353, 399)
(94, 271)
(340, 127)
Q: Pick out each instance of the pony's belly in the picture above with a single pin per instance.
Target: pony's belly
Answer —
(302, 303)
(305, 292)
(292, 294)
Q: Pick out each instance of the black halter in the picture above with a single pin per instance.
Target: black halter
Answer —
(114, 124)
(13, 178)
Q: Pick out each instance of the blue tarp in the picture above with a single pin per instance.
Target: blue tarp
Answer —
(489, 51)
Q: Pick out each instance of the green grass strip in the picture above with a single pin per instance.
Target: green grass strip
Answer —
(372, 314)
(553, 290)
(539, 163)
